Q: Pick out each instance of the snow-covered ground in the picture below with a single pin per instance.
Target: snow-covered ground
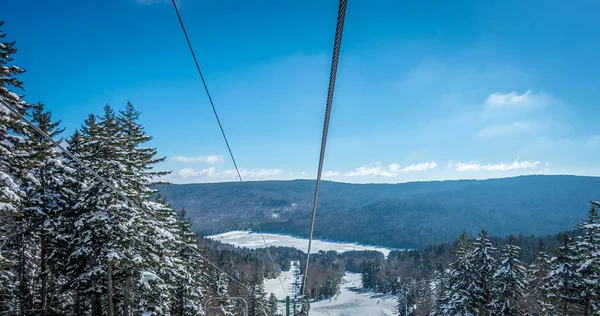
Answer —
(353, 300)
(287, 278)
(253, 240)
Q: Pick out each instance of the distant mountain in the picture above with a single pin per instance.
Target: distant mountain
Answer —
(396, 215)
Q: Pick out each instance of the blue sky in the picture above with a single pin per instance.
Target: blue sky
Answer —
(426, 90)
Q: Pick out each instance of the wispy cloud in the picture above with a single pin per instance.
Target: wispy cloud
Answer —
(468, 166)
(512, 166)
(423, 166)
(186, 173)
(373, 170)
(250, 174)
(515, 165)
(212, 173)
(392, 170)
(208, 159)
(515, 100)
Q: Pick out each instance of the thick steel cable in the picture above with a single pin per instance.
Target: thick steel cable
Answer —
(237, 170)
(100, 178)
(332, 76)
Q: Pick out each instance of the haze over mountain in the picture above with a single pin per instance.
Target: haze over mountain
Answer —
(412, 214)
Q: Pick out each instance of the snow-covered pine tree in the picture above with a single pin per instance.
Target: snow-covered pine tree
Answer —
(588, 257)
(509, 281)
(257, 300)
(484, 266)
(460, 296)
(191, 284)
(105, 231)
(13, 158)
(563, 284)
(227, 306)
(406, 296)
(47, 199)
(273, 303)
(169, 246)
(535, 299)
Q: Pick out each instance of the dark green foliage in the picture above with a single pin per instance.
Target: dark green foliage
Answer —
(405, 215)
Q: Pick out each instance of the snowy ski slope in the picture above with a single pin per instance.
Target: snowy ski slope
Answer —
(353, 300)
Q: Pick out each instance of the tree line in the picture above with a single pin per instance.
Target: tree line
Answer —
(496, 276)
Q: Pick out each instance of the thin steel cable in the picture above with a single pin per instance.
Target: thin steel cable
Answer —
(332, 76)
(69, 154)
(224, 136)
(100, 178)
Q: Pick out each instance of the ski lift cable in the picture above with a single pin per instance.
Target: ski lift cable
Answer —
(332, 77)
(69, 154)
(224, 136)
(103, 180)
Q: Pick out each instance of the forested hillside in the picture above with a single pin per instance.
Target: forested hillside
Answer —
(396, 215)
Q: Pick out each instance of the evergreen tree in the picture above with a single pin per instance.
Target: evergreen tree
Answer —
(257, 300)
(509, 281)
(189, 292)
(227, 306)
(273, 303)
(535, 298)
(168, 246)
(460, 296)
(105, 230)
(47, 199)
(406, 296)
(562, 285)
(13, 160)
(484, 266)
(588, 257)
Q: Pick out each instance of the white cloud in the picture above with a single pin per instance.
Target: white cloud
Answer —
(512, 166)
(394, 167)
(392, 170)
(423, 166)
(474, 166)
(505, 99)
(250, 174)
(207, 159)
(373, 170)
(504, 129)
(212, 174)
(469, 166)
(331, 173)
(190, 173)
(514, 100)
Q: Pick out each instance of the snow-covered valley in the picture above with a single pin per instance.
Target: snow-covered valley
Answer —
(352, 300)
(252, 240)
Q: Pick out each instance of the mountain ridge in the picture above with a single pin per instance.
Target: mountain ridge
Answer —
(411, 214)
